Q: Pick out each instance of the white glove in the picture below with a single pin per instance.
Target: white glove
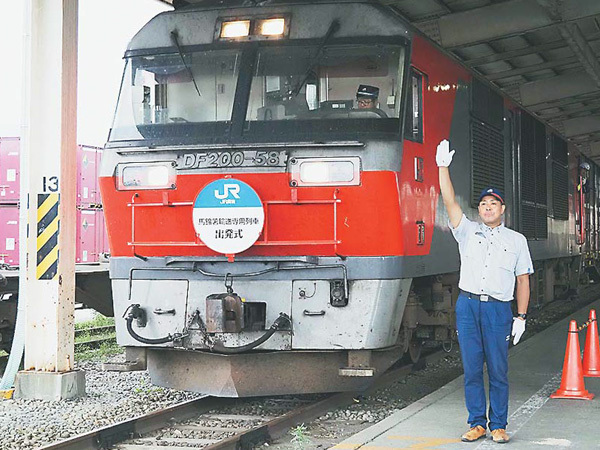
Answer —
(443, 157)
(518, 329)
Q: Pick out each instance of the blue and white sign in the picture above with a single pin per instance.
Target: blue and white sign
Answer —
(228, 216)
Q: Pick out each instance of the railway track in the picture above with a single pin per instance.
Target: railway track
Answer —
(209, 422)
(94, 342)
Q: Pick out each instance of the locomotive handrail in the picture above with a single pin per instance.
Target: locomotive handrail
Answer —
(278, 267)
(265, 233)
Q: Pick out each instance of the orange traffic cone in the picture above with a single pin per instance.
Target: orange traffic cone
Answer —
(591, 352)
(571, 384)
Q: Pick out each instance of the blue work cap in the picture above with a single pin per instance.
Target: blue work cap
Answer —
(493, 192)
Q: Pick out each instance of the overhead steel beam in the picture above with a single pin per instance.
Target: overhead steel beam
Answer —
(503, 56)
(581, 126)
(506, 19)
(567, 101)
(570, 113)
(585, 138)
(525, 51)
(578, 43)
(556, 88)
(532, 68)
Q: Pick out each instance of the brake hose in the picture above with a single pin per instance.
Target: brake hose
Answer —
(283, 321)
(134, 312)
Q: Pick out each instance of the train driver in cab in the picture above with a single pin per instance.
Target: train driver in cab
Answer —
(367, 97)
(492, 257)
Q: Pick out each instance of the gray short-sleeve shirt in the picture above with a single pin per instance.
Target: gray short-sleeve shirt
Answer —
(490, 258)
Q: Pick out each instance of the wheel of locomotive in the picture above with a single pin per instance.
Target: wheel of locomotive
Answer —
(414, 350)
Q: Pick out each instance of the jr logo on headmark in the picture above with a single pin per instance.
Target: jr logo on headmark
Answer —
(232, 189)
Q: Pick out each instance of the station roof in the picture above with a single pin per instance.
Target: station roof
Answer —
(541, 53)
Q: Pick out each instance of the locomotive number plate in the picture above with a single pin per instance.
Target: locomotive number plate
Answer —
(246, 158)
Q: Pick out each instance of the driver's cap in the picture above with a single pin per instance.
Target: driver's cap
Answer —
(366, 91)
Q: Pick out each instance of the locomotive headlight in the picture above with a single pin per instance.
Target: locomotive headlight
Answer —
(325, 171)
(235, 29)
(272, 27)
(146, 176)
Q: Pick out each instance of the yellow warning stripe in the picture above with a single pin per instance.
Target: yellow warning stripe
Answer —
(46, 206)
(48, 226)
(47, 233)
(50, 259)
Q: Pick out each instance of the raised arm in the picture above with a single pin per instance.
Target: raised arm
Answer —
(443, 158)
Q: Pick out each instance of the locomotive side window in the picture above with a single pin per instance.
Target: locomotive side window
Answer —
(413, 128)
(343, 82)
(159, 91)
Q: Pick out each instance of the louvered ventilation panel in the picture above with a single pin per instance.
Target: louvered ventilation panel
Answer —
(528, 221)
(541, 222)
(532, 158)
(560, 191)
(527, 158)
(487, 159)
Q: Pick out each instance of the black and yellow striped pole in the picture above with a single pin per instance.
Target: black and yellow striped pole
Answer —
(48, 225)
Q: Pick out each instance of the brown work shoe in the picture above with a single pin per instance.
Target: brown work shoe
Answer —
(499, 435)
(473, 434)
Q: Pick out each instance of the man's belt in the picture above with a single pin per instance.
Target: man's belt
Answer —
(481, 298)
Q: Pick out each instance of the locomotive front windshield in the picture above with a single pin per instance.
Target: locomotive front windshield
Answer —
(284, 92)
(162, 95)
(302, 84)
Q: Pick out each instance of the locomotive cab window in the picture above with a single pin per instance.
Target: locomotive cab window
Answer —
(165, 93)
(413, 128)
(297, 85)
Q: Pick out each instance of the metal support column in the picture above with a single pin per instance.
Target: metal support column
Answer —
(49, 144)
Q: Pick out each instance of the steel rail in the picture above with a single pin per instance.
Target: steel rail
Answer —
(245, 440)
(110, 435)
(93, 343)
(95, 330)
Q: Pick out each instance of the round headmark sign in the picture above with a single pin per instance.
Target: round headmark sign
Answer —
(228, 216)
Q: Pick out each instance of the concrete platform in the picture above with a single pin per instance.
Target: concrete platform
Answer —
(535, 421)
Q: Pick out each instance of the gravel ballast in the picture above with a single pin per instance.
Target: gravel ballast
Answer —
(111, 397)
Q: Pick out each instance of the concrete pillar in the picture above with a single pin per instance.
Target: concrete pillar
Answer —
(49, 147)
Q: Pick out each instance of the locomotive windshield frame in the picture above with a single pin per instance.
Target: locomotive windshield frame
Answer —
(228, 93)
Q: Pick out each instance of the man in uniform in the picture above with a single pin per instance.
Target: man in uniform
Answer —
(491, 257)
(367, 96)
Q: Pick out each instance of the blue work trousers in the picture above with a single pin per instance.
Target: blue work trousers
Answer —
(483, 335)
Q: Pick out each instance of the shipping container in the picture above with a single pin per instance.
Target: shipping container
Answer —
(91, 243)
(9, 170)
(9, 235)
(87, 235)
(88, 162)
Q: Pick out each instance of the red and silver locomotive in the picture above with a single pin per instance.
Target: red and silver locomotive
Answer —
(271, 193)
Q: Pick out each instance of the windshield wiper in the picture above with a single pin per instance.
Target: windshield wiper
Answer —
(333, 28)
(175, 37)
